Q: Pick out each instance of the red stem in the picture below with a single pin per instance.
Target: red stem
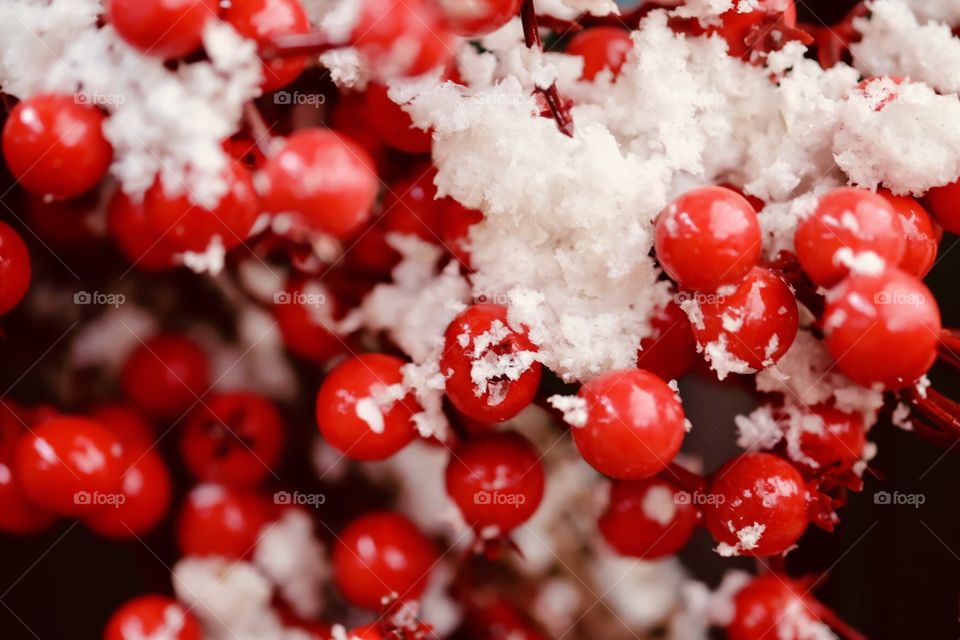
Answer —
(531, 37)
(683, 479)
(949, 347)
(832, 620)
(937, 408)
(258, 128)
(297, 44)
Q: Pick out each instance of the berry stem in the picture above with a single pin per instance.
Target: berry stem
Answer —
(942, 412)
(683, 479)
(531, 36)
(832, 620)
(258, 128)
(297, 44)
(949, 347)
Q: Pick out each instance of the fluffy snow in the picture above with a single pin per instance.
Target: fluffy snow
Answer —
(290, 555)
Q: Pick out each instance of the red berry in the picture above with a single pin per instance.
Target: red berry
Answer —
(455, 223)
(233, 438)
(944, 204)
(755, 325)
(757, 505)
(70, 466)
(126, 424)
(152, 616)
(15, 270)
(146, 492)
(323, 177)
(601, 48)
(381, 555)
(634, 424)
(357, 409)
(736, 27)
(670, 349)
(71, 226)
(882, 329)
(490, 367)
(392, 124)
(647, 519)
(216, 520)
(17, 514)
(473, 19)
(921, 232)
(410, 206)
(165, 375)
(847, 221)
(54, 145)
(163, 28)
(262, 20)
(140, 243)
(306, 313)
(831, 439)
(708, 238)
(496, 480)
(191, 227)
(772, 607)
(402, 37)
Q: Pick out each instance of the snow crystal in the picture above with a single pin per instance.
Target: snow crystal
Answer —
(290, 555)
(209, 261)
(574, 409)
(864, 262)
(748, 537)
(659, 505)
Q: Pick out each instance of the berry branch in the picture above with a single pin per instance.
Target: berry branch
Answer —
(531, 37)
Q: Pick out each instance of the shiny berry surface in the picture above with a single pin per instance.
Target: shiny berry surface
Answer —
(758, 506)
(832, 440)
(70, 466)
(883, 329)
(153, 616)
(634, 424)
(18, 515)
(358, 412)
(920, 231)
(233, 438)
(416, 26)
(54, 145)
(647, 519)
(380, 555)
(472, 19)
(146, 490)
(601, 48)
(306, 313)
(392, 124)
(261, 20)
(496, 480)
(455, 224)
(164, 376)
(126, 423)
(738, 28)
(15, 269)
(847, 223)
(216, 520)
(162, 28)
(943, 203)
(770, 607)
(670, 349)
(708, 238)
(138, 241)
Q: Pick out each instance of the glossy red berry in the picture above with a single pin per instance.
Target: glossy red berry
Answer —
(126, 423)
(882, 329)
(70, 466)
(774, 607)
(670, 349)
(831, 441)
(920, 231)
(18, 515)
(475, 19)
(140, 243)
(152, 616)
(54, 145)
(752, 327)
(402, 37)
(738, 28)
(306, 312)
(455, 223)
(648, 519)
(496, 481)
(73, 227)
(216, 520)
(165, 375)
(411, 207)
(191, 227)
(233, 438)
(847, 223)
(162, 28)
(757, 506)
(325, 178)
(358, 409)
(146, 492)
(490, 367)
(262, 20)
(601, 48)
(392, 124)
(634, 424)
(708, 238)
(943, 203)
(15, 270)
(380, 556)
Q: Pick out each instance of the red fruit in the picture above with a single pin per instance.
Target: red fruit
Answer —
(392, 124)
(708, 238)
(357, 409)
(126, 424)
(17, 514)
(163, 28)
(455, 223)
(191, 227)
(70, 226)
(165, 375)
(882, 329)
(757, 506)
(490, 367)
(379, 556)
(146, 492)
(54, 145)
(921, 232)
(832, 439)
(306, 313)
(401, 37)
(216, 520)
(634, 424)
(601, 48)
(140, 243)
(367, 632)
(670, 349)
(647, 519)
(755, 325)
(70, 466)
(262, 20)
(323, 177)
(773, 607)
(152, 616)
(737, 28)
(233, 438)
(847, 222)
(15, 271)
(944, 205)
(496, 480)
(473, 19)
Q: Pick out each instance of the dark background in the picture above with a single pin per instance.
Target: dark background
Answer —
(892, 569)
